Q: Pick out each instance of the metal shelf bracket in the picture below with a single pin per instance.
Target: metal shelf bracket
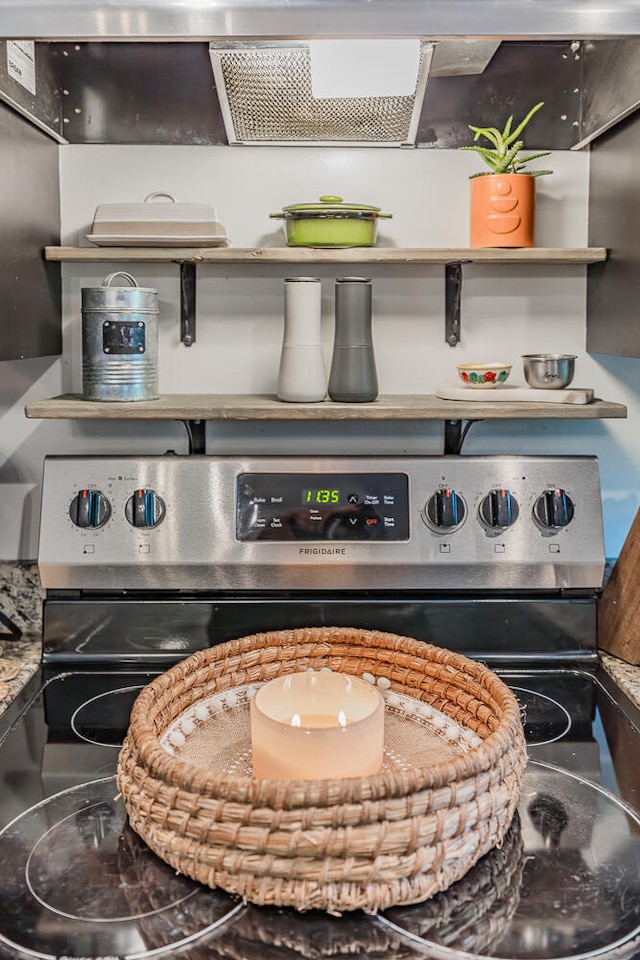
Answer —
(452, 437)
(187, 302)
(452, 300)
(196, 432)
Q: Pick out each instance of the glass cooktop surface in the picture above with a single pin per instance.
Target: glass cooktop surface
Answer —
(77, 882)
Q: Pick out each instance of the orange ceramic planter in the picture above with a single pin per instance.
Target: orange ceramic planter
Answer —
(503, 210)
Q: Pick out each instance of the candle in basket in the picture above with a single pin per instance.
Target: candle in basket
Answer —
(317, 725)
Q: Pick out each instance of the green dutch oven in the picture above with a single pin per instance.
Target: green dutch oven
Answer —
(330, 223)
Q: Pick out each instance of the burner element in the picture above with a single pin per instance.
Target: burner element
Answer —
(94, 840)
(545, 720)
(92, 886)
(104, 719)
(562, 888)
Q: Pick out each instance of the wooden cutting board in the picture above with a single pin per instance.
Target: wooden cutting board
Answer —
(507, 393)
(619, 604)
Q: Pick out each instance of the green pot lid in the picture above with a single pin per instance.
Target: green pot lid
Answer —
(329, 202)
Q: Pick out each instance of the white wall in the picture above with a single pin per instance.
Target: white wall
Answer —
(506, 312)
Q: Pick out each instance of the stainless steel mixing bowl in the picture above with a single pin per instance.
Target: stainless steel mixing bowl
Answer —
(549, 371)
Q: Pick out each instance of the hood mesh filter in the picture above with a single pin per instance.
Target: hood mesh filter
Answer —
(266, 98)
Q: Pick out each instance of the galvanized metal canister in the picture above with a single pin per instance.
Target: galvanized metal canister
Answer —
(119, 341)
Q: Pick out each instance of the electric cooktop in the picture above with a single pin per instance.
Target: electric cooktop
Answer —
(77, 882)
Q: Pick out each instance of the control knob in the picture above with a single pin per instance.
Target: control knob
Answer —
(499, 509)
(554, 509)
(445, 509)
(89, 508)
(144, 509)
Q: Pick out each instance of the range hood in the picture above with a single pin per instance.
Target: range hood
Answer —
(141, 92)
(145, 72)
(299, 19)
(266, 92)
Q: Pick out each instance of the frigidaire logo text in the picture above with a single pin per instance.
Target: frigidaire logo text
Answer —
(322, 551)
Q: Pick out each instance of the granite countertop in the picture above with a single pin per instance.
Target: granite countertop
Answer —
(625, 674)
(21, 602)
(21, 599)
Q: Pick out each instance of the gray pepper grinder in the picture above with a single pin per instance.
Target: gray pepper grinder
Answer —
(353, 377)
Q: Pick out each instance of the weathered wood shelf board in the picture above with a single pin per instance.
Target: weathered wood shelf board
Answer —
(250, 407)
(371, 255)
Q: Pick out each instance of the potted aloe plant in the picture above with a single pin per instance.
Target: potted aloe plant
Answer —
(503, 197)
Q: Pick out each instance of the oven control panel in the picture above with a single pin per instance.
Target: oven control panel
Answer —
(323, 506)
(298, 523)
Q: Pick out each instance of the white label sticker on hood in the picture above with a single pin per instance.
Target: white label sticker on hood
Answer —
(21, 63)
(364, 68)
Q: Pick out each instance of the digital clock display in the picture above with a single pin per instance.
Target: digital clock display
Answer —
(320, 496)
(322, 507)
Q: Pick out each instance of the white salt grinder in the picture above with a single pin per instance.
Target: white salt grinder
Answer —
(302, 377)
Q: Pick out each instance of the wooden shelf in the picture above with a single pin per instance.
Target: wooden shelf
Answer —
(195, 409)
(452, 258)
(371, 255)
(249, 407)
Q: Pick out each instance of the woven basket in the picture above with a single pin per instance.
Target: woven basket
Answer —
(368, 843)
(471, 917)
(474, 914)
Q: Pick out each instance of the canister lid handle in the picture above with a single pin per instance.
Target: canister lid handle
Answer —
(119, 273)
(159, 193)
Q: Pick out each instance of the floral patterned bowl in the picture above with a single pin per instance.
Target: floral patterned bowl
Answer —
(485, 375)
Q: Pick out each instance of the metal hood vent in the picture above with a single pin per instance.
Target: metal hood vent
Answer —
(173, 20)
(265, 93)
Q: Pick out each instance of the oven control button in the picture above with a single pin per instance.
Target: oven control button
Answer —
(144, 509)
(89, 508)
(499, 509)
(444, 510)
(554, 509)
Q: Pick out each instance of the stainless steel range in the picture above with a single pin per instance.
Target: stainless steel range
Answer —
(145, 560)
